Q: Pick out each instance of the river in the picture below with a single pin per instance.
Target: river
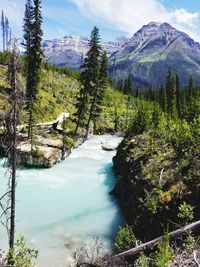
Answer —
(59, 208)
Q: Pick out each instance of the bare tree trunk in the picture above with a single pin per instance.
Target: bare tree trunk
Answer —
(30, 122)
(149, 246)
(13, 177)
(13, 69)
(116, 120)
(77, 125)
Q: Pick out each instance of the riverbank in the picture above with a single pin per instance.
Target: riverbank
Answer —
(50, 144)
(156, 184)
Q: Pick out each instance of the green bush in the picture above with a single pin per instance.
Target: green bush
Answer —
(164, 254)
(186, 213)
(68, 142)
(23, 256)
(125, 239)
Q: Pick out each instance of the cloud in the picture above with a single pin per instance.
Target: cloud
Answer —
(14, 10)
(183, 17)
(129, 15)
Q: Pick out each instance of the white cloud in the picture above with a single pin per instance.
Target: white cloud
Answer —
(183, 17)
(130, 15)
(14, 10)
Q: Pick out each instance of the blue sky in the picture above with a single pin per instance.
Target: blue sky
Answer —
(113, 17)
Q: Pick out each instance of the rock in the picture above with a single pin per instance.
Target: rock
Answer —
(40, 156)
(107, 147)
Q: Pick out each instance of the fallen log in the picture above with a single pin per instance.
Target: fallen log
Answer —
(149, 246)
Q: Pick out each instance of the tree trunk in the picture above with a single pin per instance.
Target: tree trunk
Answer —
(30, 122)
(90, 115)
(150, 246)
(13, 179)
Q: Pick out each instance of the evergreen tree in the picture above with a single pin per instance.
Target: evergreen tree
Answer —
(103, 83)
(178, 96)
(190, 109)
(171, 95)
(90, 80)
(163, 99)
(93, 69)
(33, 38)
(36, 47)
(128, 86)
(28, 28)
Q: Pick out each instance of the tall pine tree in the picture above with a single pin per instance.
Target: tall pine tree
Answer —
(103, 83)
(33, 38)
(171, 95)
(90, 80)
(178, 96)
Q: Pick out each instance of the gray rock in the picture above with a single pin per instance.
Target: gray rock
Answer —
(107, 147)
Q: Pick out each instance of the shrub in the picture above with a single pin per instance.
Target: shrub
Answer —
(22, 256)
(125, 239)
(164, 254)
(186, 213)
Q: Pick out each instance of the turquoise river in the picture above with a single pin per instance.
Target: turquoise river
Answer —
(59, 209)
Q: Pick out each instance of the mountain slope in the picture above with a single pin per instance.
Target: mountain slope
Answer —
(146, 56)
(151, 51)
(70, 50)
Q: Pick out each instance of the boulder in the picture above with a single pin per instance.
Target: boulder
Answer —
(107, 147)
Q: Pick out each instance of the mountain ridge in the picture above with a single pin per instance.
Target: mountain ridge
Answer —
(146, 56)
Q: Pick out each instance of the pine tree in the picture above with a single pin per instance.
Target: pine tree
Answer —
(103, 83)
(163, 99)
(171, 95)
(90, 80)
(190, 100)
(178, 96)
(173, 98)
(94, 73)
(128, 86)
(33, 38)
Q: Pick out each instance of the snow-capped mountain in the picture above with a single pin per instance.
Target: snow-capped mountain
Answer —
(154, 49)
(146, 56)
(70, 50)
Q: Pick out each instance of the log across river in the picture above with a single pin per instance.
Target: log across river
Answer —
(61, 207)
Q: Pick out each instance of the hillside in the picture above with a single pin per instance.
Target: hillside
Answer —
(58, 94)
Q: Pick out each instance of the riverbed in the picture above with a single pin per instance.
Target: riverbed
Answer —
(59, 209)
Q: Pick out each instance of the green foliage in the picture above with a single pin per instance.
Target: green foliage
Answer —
(142, 119)
(37, 152)
(5, 58)
(182, 138)
(94, 80)
(186, 212)
(61, 70)
(23, 256)
(189, 243)
(143, 261)
(125, 239)
(164, 254)
(68, 142)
